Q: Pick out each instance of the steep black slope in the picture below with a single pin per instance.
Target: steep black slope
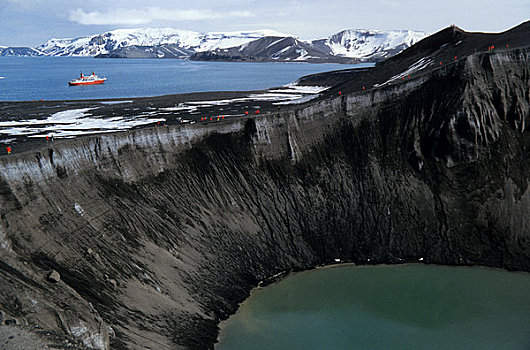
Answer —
(437, 51)
(159, 233)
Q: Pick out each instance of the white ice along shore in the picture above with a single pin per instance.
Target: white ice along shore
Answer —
(287, 94)
(71, 123)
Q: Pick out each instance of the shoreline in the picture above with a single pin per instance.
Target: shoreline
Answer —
(180, 77)
(285, 274)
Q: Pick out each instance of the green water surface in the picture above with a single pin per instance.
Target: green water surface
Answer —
(386, 307)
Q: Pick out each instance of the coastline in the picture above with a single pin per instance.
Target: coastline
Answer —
(226, 323)
(286, 274)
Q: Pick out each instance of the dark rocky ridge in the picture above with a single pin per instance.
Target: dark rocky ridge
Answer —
(161, 232)
(276, 49)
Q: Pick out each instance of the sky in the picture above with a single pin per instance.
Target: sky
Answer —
(32, 22)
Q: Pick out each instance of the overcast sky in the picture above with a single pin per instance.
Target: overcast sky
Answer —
(31, 22)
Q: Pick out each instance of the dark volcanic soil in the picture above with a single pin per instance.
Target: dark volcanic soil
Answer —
(131, 108)
(158, 233)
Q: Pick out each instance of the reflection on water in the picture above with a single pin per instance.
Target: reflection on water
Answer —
(386, 307)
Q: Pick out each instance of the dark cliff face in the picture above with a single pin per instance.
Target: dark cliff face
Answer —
(159, 233)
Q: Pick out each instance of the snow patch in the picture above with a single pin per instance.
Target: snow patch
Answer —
(271, 96)
(305, 89)
(75, 122)
(303, 99)
(180, 107)
(90, 340)
(290, 93)
(78, 209)
(303, 55)
(413, 68)
(115, 102)
(268, 96)
(274, 43)
(4, 241)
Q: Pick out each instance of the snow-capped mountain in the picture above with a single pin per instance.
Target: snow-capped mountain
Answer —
(346, 46)
(19, 51)
(149, 37)
(272, 48)
(262, 45)
(368, 44)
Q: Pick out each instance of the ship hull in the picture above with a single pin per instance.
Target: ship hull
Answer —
(95, 82)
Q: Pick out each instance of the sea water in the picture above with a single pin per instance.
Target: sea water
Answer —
(386, 307)
(36, 78)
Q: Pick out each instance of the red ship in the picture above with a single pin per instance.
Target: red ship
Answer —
(87, 80)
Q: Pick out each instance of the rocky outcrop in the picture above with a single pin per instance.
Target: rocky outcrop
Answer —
(19, 51)
(159, 233)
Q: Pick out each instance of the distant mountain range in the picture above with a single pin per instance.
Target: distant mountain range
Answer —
(19, 51)
(261, 45)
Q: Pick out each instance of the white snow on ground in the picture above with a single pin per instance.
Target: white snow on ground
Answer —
(79, 209)
(290, 93)
(303, 93)
(293, 87)
(115, 102)
(415, 67)
(303, 99)
(198, 104)
(303, 55)
(72, 123)
(278, 54)
(271, 96)
(180, 107)
(91, 340)
(274, 42)
(251, 97)
(76, 122)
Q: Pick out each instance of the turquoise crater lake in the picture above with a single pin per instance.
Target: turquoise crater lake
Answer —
(386, 307)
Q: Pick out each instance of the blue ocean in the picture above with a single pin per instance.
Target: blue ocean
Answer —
(46, 78)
